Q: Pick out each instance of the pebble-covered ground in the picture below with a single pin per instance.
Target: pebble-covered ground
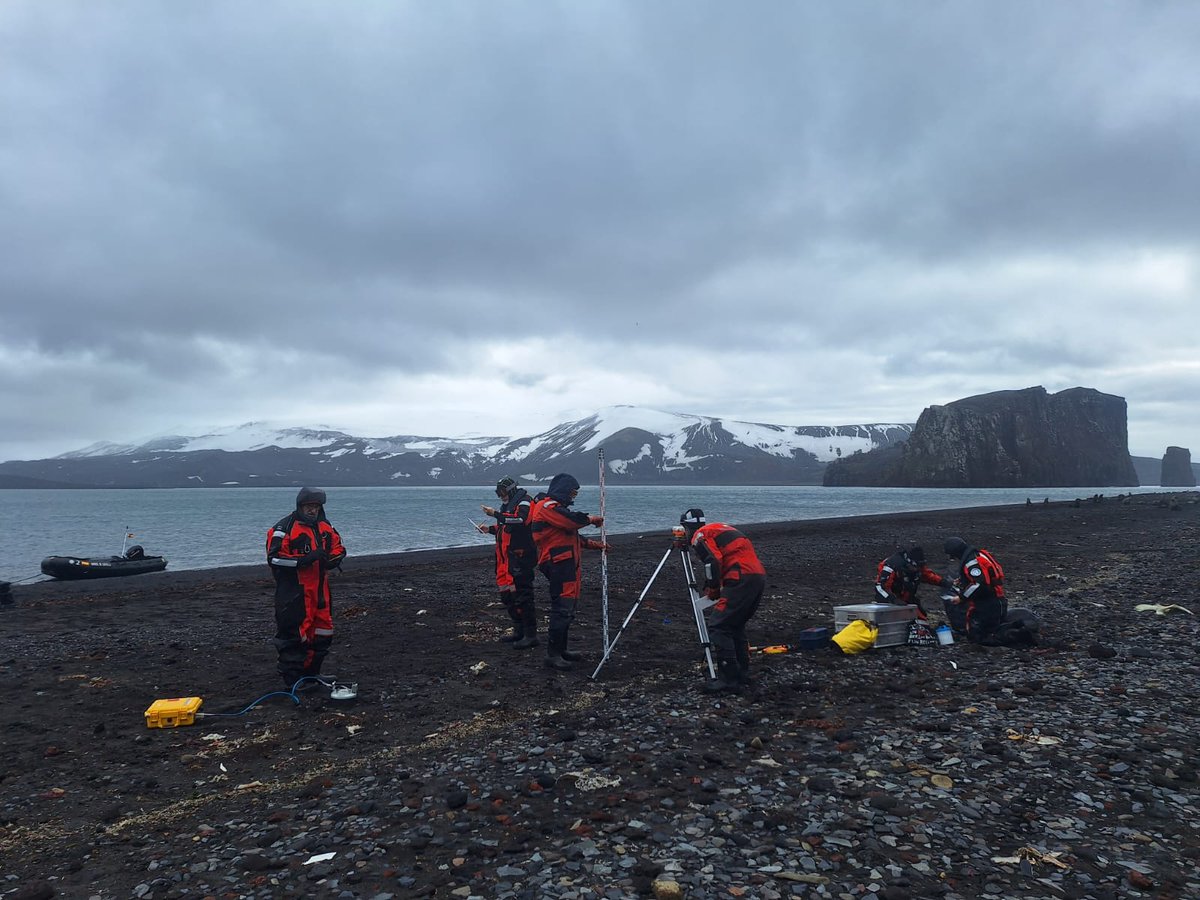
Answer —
(466, 769)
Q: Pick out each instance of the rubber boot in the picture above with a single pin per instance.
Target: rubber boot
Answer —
(568, 655)
(518, 626)
(727, 681)
(556, 641)
(529, 626)
(743, 662)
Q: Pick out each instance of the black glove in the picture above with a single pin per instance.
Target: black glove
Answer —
(312, 556)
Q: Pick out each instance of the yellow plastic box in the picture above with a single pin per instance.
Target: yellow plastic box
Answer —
(172, 712)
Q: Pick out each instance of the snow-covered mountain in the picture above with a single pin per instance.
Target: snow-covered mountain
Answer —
(262, 435)
(641, 446)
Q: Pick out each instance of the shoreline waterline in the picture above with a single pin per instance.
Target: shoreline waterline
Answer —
(420, 556)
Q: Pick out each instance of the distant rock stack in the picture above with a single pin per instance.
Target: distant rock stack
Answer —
(1177, 468)
(1028, 438)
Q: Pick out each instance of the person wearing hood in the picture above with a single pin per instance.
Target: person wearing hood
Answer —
(979, 582)
(556, 529)
(901, 574)
(734, 577)
(302, 548)
(516, 557)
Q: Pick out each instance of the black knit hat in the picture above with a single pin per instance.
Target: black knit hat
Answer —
(955, 547)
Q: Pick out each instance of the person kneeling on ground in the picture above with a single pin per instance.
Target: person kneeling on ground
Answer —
(301, 550)
(900, 575)
(734, 577)
(979, 584)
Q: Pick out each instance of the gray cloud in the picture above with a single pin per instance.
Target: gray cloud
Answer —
(800, 213)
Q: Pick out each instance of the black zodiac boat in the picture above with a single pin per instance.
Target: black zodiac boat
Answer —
(76, 568)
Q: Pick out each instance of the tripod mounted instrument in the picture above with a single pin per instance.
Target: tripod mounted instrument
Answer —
(679, 545)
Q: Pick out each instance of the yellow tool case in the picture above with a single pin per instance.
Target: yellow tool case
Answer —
(172, 712)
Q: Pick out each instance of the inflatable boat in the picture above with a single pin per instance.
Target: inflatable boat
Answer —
(75, 568)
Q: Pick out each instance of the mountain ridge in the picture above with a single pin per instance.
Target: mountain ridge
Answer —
(642, 446)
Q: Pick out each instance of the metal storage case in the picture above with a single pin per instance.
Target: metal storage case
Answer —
(892, 620)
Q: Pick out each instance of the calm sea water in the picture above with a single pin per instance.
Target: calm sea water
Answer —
(211, 527)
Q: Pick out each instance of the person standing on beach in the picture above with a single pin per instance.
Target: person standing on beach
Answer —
(900, 575)
(979, 583)
(516, 557)
(556, 533)
(302, 548)
(734, 577)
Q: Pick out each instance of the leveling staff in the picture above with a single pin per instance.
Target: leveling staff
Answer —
(301, 549)
(735, 578)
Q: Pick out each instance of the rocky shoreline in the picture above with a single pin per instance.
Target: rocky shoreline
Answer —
(466, 769)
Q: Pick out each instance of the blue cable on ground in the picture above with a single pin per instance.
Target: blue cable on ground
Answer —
(291, 693)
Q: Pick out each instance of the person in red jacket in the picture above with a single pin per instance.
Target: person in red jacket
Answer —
(302, 548)
(900, 575)
(980, 586)
(555, 529)
(734, 577)
(516, 557)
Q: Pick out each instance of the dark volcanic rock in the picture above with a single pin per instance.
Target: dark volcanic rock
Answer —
(1027, 438)
(566, 786)
(1177, 468)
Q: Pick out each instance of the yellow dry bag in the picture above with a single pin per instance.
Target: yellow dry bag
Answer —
(856, 637)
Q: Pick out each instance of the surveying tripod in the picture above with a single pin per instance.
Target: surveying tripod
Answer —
(679, 544)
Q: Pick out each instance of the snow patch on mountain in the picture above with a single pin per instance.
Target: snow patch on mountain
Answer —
(232, 439)
(258, 435)
(621, 466)
(825, 443)
(608, 421)
(523, 451)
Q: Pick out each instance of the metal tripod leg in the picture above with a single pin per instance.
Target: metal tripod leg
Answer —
(608, 651)
(699, 604)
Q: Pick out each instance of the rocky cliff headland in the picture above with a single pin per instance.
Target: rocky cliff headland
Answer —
(1026, 438)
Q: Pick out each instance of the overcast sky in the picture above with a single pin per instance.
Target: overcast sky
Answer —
(446, 218)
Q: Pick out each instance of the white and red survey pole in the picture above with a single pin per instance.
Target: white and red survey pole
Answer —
(603, 556)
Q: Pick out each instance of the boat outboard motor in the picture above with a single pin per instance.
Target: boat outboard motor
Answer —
(135, 552)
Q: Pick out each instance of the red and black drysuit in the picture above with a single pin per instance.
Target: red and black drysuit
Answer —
(734, 577)
(300, 553)
(981, 587)
(556, 533)
(899, 576)
(516, 559)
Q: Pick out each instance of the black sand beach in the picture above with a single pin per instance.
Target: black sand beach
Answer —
(1064, 771)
